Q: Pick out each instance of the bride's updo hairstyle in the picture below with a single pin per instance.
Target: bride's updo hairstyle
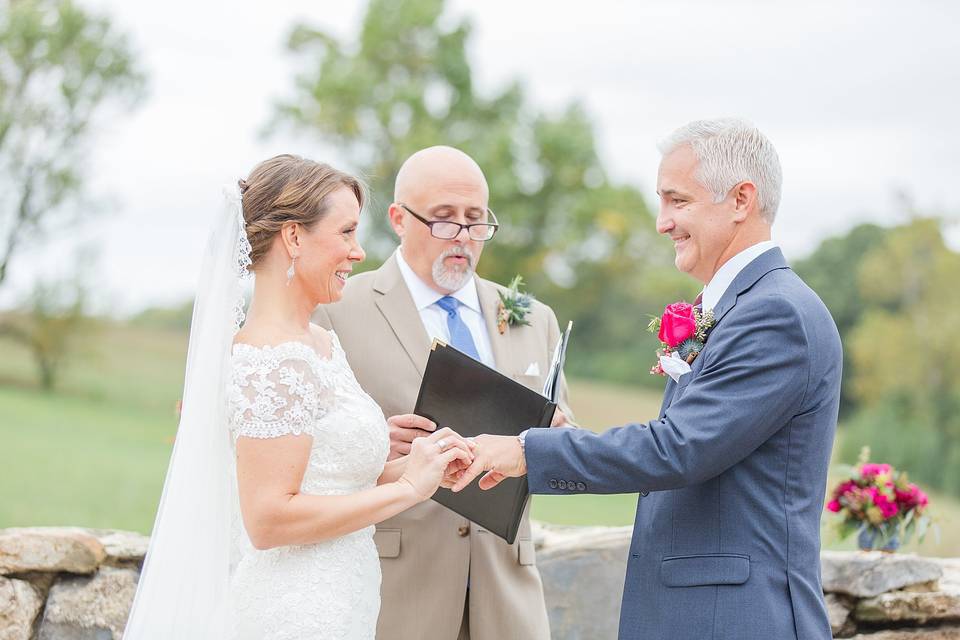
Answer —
(288, 188)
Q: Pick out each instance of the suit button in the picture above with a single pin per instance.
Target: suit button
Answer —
(553, 484)
(644, 494)
(581, 486)
(562, 484)
(571, 485)
(464, 531)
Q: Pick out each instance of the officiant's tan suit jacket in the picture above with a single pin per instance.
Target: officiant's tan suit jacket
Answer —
(427, 552)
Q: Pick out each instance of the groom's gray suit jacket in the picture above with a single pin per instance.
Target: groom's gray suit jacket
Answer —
(732, 475)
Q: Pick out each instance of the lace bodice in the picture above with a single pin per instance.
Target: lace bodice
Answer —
(290, 389)
(330, 589)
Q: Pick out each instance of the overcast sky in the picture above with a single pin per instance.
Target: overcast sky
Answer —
(861, 100)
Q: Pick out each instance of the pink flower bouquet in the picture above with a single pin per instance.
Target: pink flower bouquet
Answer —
(880, 504)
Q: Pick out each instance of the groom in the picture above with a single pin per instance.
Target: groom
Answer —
(444, 577)
(732, 474)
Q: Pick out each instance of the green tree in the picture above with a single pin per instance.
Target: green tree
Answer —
(49, 324)
(906, 354)
(833, 271)
(60, 68)
(583, 244)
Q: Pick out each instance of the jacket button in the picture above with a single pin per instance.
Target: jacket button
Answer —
(571, 485)
(581, 486)
(562, 484)
(464, 531)
(553, 484)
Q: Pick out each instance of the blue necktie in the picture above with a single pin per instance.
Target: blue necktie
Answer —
(460, 336)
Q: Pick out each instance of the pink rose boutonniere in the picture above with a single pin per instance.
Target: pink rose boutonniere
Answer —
(682, 330)
(677, 324)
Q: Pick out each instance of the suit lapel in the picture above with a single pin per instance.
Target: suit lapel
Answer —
(499, 343)
(763, 264)
(395, 303)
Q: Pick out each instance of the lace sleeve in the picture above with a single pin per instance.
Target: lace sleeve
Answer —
(276, 396)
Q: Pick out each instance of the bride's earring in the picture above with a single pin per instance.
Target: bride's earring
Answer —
(291, 271)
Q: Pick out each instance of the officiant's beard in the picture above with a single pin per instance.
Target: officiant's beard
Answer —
(452, 278)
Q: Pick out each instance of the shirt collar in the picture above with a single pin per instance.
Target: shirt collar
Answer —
(424, 295)
(725, 276)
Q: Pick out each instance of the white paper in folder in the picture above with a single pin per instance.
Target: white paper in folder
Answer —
(551, 386)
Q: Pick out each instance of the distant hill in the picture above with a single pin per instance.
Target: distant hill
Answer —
(175, 317)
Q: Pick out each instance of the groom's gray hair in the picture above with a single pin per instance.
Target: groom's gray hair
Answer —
(730, 151)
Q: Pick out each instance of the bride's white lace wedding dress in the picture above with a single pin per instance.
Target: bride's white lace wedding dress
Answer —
(330, 589)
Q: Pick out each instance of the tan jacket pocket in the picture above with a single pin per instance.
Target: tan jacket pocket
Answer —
(526, 554)
(388, 542)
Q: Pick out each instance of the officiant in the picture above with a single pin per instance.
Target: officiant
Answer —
(443, 576)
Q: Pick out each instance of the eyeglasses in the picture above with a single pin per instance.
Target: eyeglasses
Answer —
(448, 230)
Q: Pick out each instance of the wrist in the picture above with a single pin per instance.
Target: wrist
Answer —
(522, 439)
(409, 490)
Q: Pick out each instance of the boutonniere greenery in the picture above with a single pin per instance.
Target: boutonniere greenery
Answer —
(514, 306)
(682, 330)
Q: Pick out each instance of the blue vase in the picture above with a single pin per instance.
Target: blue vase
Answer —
(869, 539)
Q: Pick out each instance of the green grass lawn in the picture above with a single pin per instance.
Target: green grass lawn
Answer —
(95, 452)
(80, 461)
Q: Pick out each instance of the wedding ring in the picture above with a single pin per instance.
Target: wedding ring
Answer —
(442, 444)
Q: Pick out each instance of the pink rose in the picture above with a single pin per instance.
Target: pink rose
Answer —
(844, 487)
(911, 498)
(834, 505)
(908, 498)
(888, 508)
(870, 469)
(677, 323)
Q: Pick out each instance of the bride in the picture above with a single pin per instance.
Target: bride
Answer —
(278, 474)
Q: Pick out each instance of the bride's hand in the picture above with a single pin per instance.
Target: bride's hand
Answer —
(431, 456)
(453, 472)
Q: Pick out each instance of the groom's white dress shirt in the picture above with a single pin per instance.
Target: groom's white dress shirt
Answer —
(435, 319)
(729, 271)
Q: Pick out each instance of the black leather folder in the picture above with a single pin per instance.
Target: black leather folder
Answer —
(471, 398)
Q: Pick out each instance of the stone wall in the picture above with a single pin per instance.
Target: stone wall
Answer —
(60, 583)
(67, 583)
(870, 596)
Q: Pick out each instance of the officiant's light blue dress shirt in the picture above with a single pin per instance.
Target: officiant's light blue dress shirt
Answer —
(435, 319)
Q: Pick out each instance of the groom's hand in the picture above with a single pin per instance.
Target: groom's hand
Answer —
(404, 429)
(454, 472)
(500, 456)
